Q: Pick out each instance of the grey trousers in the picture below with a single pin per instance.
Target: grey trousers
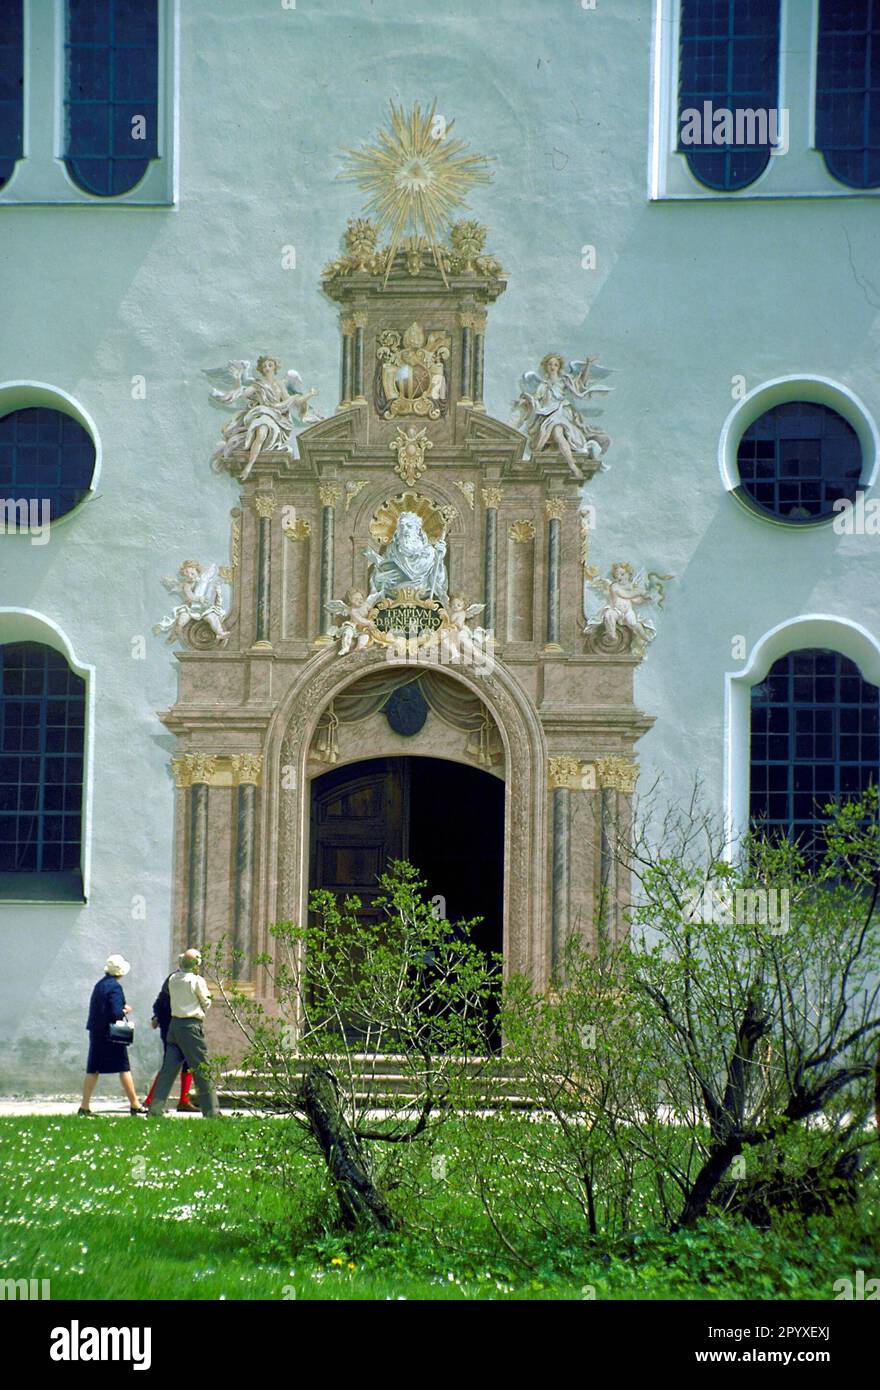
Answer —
(185, 1047)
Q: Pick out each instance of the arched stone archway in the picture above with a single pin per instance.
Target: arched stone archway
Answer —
(526, 889)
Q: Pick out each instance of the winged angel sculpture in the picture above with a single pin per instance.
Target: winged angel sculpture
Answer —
(618, 623)
(200, 618)
(549, 412)
(268, 411)
(354, 626)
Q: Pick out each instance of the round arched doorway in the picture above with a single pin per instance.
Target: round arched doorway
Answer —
(443, 817)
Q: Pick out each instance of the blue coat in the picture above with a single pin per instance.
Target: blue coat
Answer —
(105, 1007)
(106, 1004)
(162, 1010)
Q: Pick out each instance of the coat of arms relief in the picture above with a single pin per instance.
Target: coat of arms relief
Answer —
(411, 373)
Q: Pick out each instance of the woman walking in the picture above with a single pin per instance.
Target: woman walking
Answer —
(107, 1005)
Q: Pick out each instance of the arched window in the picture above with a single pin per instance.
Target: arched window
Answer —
(11, 87)
(42, 731)
(112, 92)
(728, 62)
(815, 739)
(798, 458)
(46, 457)
(848, 90)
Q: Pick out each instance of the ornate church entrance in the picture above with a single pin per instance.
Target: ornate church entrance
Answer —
(408, 573)
(445, 818)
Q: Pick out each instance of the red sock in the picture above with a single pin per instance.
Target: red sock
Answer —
(152, 1089)
(186, 1081)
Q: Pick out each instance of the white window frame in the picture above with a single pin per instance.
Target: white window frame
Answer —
(780, 391)
(27, 625)
(41, 176)
(799, 173)
(26, 395)
(825, 630)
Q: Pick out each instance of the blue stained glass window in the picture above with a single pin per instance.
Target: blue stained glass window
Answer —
(848, 90)
(815, 739)
(45, 455)
(797, 459)
(112, 92)
(11, 87)
(42, 734)
(729, 59)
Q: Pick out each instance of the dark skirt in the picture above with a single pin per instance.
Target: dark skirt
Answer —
(106, 1056)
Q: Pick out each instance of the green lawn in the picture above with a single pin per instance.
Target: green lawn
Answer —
(122, 1208)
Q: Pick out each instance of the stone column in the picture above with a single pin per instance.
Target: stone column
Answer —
(479, 357)
(491, 501)
(564, 776)
(555, 508)
(616, 778)
(264, 505)
(193, 773)
(347, 363)
(360, 323)
(246, 777)
(330, 493)
(465, 394)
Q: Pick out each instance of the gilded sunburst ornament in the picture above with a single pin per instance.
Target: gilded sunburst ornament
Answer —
(415, 176)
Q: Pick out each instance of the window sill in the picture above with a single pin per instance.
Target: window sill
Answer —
(41, 888)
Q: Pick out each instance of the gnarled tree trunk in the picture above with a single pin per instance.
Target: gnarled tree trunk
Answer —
(362, 1205)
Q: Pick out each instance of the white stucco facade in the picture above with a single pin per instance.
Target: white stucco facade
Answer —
(689, 295)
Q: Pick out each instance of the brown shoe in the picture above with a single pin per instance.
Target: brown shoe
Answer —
(188, 1106)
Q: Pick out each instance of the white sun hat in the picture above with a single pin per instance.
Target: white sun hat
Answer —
(117, 965)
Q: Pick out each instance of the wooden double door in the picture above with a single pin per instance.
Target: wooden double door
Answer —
(445, 818)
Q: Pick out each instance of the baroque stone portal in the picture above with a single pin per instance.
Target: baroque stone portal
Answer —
(295, 677)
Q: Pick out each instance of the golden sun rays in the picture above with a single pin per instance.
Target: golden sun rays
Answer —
(415, 176)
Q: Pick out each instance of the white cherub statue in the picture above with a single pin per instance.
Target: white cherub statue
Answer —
(357, 627)
(549, 413)
(201, 590)
(268, 413)
(625, 592)
(459, 640)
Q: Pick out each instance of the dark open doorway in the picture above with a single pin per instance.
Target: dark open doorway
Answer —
(445, 818)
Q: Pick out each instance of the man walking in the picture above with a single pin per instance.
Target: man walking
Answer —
(190, 1000)
(162, 1020)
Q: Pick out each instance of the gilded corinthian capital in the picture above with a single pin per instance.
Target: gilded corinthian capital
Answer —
(555, 508)
(618, 773)
(264, 505)
(491, 496)
(329, 493)
(247, 768)
(564, 772)
(194, 767)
